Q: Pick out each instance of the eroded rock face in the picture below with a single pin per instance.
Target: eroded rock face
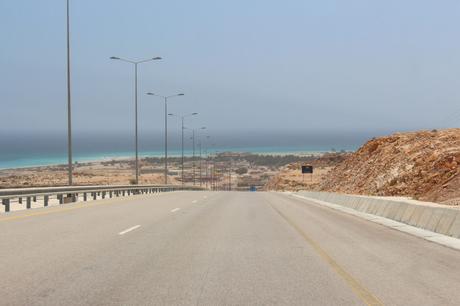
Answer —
(424, 165)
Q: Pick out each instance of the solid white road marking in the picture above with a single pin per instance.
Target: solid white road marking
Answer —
(175, 209)
(194, 201)
(129, 229)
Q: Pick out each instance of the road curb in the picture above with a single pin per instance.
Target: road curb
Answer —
(438, 238)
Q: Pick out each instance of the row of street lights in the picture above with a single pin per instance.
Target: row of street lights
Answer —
(166, 99)
(135, 64)
(182, 117)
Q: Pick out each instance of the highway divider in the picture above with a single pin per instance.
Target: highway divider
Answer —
(70, 194)
(429, 216)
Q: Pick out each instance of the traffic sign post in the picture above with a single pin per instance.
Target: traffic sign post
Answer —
(307, 169)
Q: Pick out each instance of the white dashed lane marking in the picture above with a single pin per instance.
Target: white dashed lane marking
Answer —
(129, 230)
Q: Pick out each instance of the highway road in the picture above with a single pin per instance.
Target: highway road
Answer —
(216, 248)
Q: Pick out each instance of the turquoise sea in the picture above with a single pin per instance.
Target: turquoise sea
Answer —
(19, 151)
(22, 160)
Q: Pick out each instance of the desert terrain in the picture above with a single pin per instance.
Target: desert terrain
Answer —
(423, 165)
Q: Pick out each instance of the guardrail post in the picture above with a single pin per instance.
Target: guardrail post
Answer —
(74, 197)
(85, 197)
(60, 198)
(20, 200)
(28, 203)
(110, 194)
(6, 203)
(103, 194)
(45, 200)
(35, 198)
(94, 194)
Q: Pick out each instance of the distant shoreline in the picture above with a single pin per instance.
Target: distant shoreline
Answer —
(59, 162)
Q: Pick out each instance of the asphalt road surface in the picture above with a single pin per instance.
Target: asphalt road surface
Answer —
(216, 248)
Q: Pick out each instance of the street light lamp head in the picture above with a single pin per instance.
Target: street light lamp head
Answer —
(193, 114)
(157, 58)
(171, 114)
(114, 58)
(181, 94)
(150, 94)
(203, 128)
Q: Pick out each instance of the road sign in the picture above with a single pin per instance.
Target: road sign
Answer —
(307, 169)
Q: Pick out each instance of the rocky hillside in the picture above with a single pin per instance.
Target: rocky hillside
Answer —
(424, 165)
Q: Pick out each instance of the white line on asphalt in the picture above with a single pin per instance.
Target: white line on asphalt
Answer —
(175, 209)
(129, 229)
(194, 201)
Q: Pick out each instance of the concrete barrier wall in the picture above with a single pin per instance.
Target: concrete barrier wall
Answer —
(437, 218)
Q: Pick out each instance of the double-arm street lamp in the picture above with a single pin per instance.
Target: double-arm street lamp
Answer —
(136, 63)
(166, 128)
(182, 140)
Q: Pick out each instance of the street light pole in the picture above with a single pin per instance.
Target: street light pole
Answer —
(166, 140)
(182, 141)
(182, 149)
(199, 139)
(193, 156)
(166, 129)
(206, 147)
(69, 106)
(201, 171)
(135, 63)
(135, 124)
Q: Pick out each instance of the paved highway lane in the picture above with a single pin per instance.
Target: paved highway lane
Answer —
(216, 248)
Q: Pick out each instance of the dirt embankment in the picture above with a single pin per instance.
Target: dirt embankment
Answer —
(423, 165)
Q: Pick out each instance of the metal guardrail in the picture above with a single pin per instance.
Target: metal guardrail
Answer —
(71, 193)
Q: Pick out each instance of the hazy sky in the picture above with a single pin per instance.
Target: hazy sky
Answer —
(243, 65)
